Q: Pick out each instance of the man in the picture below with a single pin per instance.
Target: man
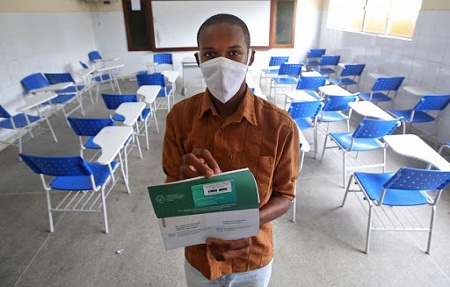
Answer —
(227, 128)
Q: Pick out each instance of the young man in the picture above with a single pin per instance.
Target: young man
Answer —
(227, 128)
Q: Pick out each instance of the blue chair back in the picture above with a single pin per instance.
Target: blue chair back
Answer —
(339, 103)
(4, 113)
(94, 55)
(375, 128)
(387, 84)
(163, 58)
(84, 65)
(89, 126)
(113, 101)
(55, 78)
(432, 103)
(329, 60)
(418, 179)
(352, 70)
(309, 109)
(151, 79)
(278, 60)
(311, 83)
(34, 81)
(315, 53)
(57, 165)
(290, 69)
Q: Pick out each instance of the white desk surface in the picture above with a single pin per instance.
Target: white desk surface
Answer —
(311, 74)
(369, 109)
(412, 146)
(418, 91)
(299, 96)
(83, 73)
(149, 92)
(111, 139)
(170, 75)
(52, 88)
(109, 68)
(107, 59)
(131, 112)
(36, 100)
(151, 64)
(334, 90)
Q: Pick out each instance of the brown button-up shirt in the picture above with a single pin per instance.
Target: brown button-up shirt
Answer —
(259, 136)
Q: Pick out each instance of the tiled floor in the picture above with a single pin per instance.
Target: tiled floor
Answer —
(322, 248)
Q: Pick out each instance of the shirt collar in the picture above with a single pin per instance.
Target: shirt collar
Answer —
(246, 108)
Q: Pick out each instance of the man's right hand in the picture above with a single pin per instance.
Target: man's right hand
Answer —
(199, 162)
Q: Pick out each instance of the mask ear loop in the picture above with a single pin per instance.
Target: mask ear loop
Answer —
(249, 55)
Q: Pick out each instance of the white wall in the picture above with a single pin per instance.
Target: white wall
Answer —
(424, 61)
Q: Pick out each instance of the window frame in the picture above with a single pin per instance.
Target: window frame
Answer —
(147, 5)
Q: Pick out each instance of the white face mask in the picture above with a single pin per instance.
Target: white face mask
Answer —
(224, 77)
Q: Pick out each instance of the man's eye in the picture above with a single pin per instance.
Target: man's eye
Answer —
(235, 53)
(209, 54)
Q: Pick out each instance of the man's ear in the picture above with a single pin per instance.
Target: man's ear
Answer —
(252, 57)
(197, 59)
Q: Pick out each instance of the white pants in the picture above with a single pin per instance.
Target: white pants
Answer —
(255, 278)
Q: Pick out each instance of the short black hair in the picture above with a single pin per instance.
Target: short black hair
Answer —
(225, 18)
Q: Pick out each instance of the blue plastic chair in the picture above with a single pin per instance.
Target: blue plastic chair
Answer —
(103, 75)
(274, 66)
(366, 137)
(309, 85)
(382, 88)
(84, 182)
(64, 98)
(350, 75)
(336, 109)
(21, 123)
(165, 92)
(420, 113)
(327, 64)
(404, 189)
(305, 116)
(88, 127)
(163, 58)
(55, 78)
(288, 75)
(312, 57)
(113, 101)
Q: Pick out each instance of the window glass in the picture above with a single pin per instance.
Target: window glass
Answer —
(285, 18)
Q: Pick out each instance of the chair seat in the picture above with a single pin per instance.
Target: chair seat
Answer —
(333, 116)
(373, 185)
(145, 114)
(376, 97)
(304, 123)
(285, 81)
(343, 81)
(80, 183)
(19, 121)
(61, 99)
(102, 78)
(419, 117)
(270, 71)
(71, 89)
(312, 93)
(90, 144)
(359, 144)
(324, 70)
(311, 63)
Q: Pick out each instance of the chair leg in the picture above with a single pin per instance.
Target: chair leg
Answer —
(51, 130)
(344, 167)
(324, 147)
(369, 229)
(430, 232)
(49, 209)
(105, 216)
(294, 204)
(347, 189)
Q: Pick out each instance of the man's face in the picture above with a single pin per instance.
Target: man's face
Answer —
(222, 40)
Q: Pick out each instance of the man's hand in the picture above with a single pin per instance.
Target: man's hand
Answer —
(223, 250)
(199, 162)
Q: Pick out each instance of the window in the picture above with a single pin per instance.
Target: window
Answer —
(381, 17)
(141, 34)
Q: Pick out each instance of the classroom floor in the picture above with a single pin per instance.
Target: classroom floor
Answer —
(324, 247)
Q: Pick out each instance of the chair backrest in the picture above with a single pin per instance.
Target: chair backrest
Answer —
(55, 78)
(309, 109)
(290, 69)
(151, 79)
(352, 70)
(311, 83)
(4, 113)
(94, 55)
(89, 126)
(418, 179)
(329, 60)
(375, 128)
(113, 101)
(57, 165)
(315, 53)
(387, 84)
(34, 81)
(432, 103)
(278, 60)
(339, 103)
(163, 58)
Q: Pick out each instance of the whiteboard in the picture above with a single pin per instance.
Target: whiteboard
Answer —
(176, 22)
